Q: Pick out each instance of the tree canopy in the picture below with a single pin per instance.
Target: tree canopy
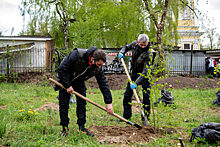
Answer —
(101, 23)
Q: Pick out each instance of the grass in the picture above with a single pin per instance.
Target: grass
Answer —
(22, 126)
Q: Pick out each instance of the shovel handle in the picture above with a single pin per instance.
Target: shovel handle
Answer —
(90, 101)
(129, 78)
(135, 92)
(78, 94)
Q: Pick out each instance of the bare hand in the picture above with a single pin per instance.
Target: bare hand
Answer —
(109, 108)
(70, 90)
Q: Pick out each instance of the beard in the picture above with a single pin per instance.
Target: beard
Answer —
(94, 66)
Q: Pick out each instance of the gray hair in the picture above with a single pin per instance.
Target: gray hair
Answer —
(143, 38)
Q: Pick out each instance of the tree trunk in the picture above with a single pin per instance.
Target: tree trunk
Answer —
(161, 52)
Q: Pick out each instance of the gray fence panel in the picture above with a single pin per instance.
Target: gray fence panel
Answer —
(180, 63)
(20, 60)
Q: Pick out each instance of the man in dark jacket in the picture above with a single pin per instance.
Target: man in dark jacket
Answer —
(141, 67)
(77, 67)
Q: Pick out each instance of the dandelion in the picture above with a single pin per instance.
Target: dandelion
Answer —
(20, 110)
(36, 113)
(30, 112)
(34, 110)
(29, 109)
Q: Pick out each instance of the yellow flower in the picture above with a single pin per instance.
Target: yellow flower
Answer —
(20, 110)
(34, 110)
(36, 113)
(30, 112)
(30, 109)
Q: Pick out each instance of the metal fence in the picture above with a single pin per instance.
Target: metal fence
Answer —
(21, 60)
(34, 59)
(186, 63)
(179, 62)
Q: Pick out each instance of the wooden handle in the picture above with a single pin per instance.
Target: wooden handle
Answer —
(90, 101)
(129, 78)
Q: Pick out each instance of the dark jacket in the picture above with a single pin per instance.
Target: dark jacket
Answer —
(141, 60)
(75, 69)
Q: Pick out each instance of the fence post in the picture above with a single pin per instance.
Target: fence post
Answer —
(191, 60)
(7, 60)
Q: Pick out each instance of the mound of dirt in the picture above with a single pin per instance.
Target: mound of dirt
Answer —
(124, 135)
(48, 105)
(32, 77)
(118, 82)
(3, 107)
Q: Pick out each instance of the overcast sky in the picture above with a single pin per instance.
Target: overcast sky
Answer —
(10, 16)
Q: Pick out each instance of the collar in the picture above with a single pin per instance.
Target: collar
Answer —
(90, 64)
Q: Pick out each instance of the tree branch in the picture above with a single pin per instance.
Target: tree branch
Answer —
(164, 13)
(151, 13)
(58, 10)
(189, 7)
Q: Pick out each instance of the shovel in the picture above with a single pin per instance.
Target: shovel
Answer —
(146, 121)
(97, 105)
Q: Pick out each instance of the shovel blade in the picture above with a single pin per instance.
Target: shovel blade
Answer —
(133, 124)
(145, 120)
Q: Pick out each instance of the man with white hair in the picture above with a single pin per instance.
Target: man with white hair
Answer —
(141, 67)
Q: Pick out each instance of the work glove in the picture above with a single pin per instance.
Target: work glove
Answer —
(120, 55)
(133, 86)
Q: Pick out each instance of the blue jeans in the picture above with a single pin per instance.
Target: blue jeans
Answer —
(128, 98)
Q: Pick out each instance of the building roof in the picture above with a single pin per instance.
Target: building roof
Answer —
(25, 38)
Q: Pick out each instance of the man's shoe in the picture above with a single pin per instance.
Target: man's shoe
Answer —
(85, 131)
(65, 132)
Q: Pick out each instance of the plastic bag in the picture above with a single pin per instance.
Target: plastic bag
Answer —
(209, 131)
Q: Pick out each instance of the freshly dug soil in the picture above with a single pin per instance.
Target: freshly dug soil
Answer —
(117, 82)
(124, 135)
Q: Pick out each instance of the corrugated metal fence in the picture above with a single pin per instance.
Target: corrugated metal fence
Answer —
(29, 59)
(186, 62)
(38, 60)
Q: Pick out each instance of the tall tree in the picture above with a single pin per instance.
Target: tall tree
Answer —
(83, 23)
(164, 16)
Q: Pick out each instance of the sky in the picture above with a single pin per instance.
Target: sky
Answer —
(10, 15)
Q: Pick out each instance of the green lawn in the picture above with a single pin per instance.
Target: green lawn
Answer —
(22, 126)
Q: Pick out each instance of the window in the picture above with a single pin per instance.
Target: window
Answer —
(186, 46)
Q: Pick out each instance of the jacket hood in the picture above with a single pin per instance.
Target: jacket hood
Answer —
(89, 51)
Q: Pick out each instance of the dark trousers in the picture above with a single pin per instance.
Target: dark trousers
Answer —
(211, 69)
(64, 98)
(128, 98)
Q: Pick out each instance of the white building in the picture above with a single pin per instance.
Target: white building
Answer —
(26, 53)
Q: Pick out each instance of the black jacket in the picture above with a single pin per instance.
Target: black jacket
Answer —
(141, 60)
(75, 69)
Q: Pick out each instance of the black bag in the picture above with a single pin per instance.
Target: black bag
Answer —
(209, 131)
(167, 98)
(217, 101)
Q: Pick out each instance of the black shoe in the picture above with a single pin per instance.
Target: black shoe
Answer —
(85, 131)
(65, 132)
